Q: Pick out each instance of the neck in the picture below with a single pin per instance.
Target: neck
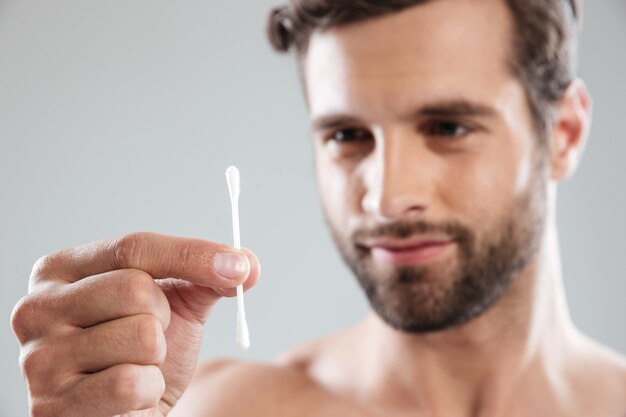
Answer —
(513, 351)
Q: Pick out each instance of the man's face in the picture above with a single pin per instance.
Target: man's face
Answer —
(427, 160)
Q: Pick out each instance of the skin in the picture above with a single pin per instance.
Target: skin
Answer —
(522, 357)
(105, 331)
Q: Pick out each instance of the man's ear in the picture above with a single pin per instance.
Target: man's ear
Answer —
(569, 134)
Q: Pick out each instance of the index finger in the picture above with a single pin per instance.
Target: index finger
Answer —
(159, 255)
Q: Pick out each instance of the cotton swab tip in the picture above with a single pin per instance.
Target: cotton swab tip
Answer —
(243, 337)
(232, 178)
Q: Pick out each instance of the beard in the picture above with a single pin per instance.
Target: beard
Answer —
(445, 294)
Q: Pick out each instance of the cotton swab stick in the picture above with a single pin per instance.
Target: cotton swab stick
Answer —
(232, 178)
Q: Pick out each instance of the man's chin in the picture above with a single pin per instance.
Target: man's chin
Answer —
(415, 299)
(422, 307)
(424, 326)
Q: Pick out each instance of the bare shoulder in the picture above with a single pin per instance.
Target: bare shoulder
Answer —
(615, 365)
(233, 388)
(291, 386)
(612, 364)
(603, 379)
(303, 356)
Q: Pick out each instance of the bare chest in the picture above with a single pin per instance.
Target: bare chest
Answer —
(316, 404)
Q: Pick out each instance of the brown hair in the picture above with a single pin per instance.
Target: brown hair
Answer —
(545, 39)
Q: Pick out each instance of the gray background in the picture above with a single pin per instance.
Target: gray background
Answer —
(120, 116)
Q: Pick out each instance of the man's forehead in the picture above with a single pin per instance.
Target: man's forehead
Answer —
(453, 45)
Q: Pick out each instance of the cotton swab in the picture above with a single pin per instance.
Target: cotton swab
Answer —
(232, 178)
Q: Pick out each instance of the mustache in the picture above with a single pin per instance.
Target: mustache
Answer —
(403, 230)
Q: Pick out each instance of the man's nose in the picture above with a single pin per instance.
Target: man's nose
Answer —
(400, 179)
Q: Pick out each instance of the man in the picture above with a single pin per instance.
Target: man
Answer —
(441, 129)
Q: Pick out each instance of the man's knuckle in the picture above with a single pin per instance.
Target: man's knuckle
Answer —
(125, 387)
(32, 313)
(128, 250)
(24, 316)
(20, 318)
(43, 408)
(45, 264)
(139, 290)
(46, 267)
(34, 362)
(27, 364)
(149, 338)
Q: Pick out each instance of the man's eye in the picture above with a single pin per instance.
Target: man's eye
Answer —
(345, 136)
(445, 129)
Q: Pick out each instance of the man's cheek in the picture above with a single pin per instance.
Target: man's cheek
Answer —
(482, 189)
(465, 196)
(335, 190)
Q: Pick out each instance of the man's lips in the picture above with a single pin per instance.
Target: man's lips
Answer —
(415, 251)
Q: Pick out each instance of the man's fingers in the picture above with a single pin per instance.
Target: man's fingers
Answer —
(198, 261)
(136, 339)
(113, 295)
(92, 326)
(115, 391)
(60, 309)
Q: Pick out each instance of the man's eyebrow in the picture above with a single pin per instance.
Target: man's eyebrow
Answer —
(452, 108)
(333, 121)
(455, 108)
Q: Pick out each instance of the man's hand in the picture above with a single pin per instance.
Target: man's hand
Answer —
(115, 326)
